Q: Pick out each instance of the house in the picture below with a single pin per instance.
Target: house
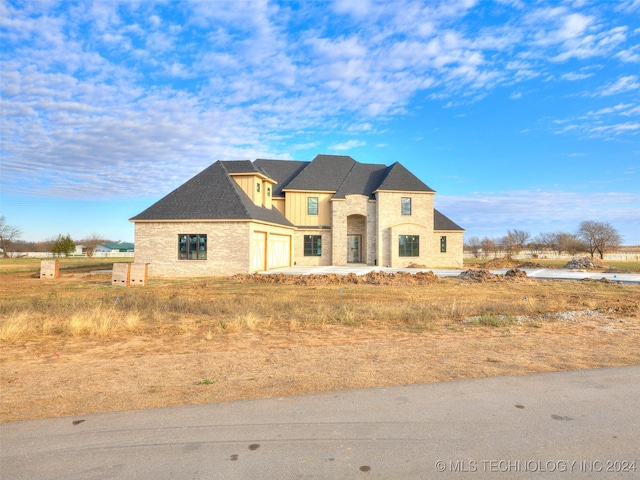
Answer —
(244, 216)
(117, 247)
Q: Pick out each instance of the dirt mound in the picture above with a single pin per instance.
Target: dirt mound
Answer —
(500, 263)
(515, 273)
(530, 265)
(372, 278)
(480, 276)
(583, 263)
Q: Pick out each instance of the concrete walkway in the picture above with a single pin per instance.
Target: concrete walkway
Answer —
(540, 273)
(579, 424)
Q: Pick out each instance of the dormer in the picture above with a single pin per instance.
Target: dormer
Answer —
(258, 187)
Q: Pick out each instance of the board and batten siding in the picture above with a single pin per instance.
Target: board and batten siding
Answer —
(296, 209)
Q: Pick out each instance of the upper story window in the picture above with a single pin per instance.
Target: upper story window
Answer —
(258, 187)
(312, 205)
(268, 191)
(406, 205)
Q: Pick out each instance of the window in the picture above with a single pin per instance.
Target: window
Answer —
(258, 187)
(406, 206)
(192, 246)
(268, 191)
(443, 244)
(312, 205)
(409, 245)
(312, 245)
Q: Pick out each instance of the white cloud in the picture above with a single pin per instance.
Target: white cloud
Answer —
(348, 145)
(621, 85)
(88, 88)
(573, 76)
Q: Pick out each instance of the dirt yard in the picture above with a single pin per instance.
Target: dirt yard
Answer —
(331, 334)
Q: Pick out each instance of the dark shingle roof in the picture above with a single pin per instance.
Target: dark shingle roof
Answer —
(400, 179)
(282, 171)
(324, 173)
(211, 195)
(440, 222)
(214, 195)
(362, 179)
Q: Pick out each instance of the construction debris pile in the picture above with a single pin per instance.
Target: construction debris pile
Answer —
(486, 276)
(583, 263)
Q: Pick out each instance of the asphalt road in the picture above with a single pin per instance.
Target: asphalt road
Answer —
(579, 424)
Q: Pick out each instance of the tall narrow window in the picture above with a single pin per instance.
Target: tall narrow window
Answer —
(409, 245)
(312, 206)
(406, 205)
(312, 245)
(192, 246)
(268, 191)
(443, 244)
(258, 187)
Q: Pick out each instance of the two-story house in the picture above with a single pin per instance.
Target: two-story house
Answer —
(244, 216)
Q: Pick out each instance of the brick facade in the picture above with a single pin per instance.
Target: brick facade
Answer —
(358, 215)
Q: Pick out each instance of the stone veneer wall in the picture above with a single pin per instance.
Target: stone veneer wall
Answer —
(392, 223)
(453, 257)
(298, 247)
(227, 248)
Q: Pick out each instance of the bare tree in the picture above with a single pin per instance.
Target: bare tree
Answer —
(514, 241)
(599, 237)
(8, 235)
(91, 242)
(570, 243)
(520, 238)
(489, 245)
(473, 244)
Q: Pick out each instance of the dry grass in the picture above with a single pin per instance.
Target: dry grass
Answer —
(78, 344)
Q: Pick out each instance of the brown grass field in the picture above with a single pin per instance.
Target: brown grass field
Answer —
(78, 345)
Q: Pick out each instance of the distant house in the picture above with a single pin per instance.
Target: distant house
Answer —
(118, 247)
(244, 216)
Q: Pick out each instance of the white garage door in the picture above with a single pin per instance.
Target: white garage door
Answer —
(279, 251)
(258, 251)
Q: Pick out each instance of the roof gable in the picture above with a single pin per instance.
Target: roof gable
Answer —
(398, 178)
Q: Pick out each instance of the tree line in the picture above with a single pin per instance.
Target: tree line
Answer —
(592, 237)
(11, 242)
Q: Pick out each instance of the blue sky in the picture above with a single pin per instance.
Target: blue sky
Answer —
(520, 114)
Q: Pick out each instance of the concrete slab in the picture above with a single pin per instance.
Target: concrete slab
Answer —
(541, 273)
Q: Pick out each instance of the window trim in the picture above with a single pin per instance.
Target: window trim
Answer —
(310, 204)
(405, 202)
(189, 253)
(312, 245)
(408, 245)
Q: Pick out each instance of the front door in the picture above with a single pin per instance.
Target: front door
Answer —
(353, 248)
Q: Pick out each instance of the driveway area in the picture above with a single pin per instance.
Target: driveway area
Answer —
(578, 424)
